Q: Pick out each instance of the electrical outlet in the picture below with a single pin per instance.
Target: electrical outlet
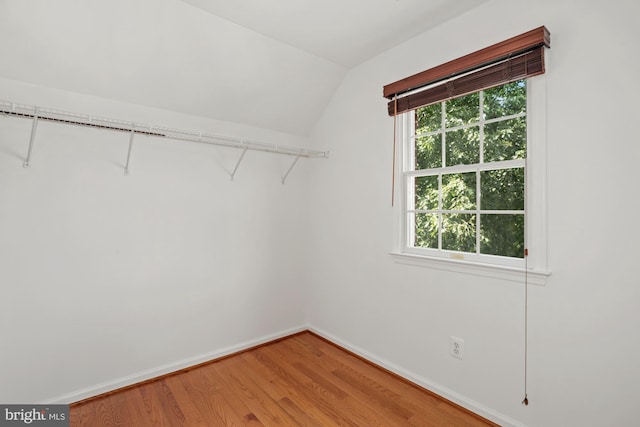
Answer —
(456, 347)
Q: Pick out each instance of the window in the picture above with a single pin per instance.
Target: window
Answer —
(470, 166)
(463, 176)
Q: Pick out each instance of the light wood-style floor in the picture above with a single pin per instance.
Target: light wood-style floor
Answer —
(301, 380)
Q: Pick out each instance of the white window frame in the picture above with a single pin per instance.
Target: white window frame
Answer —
(535, 205)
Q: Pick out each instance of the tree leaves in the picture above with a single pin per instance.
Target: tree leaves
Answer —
(500, 189)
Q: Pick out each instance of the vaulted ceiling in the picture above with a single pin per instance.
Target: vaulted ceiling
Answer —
(268, 63)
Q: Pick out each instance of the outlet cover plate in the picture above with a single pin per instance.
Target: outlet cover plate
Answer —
(456, 347)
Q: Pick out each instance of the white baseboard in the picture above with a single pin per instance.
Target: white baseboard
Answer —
(438, 389)
(148, 374)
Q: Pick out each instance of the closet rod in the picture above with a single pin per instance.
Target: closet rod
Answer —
(27, 111)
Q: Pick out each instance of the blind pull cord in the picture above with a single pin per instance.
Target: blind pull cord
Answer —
(395, 135)
(525, 401)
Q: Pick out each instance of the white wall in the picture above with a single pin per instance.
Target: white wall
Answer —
(584, 342)
(107, 279)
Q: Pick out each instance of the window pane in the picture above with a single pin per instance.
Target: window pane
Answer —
(429, 152)
(505, 140)
(462, 110)
(429, 119)
(502, 189)
(502, 235)
(426, 191)
(426, 231)
(459, 191)
(459, 232)
(463, 147)
(505, 100)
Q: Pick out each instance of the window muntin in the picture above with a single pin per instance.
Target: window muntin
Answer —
(464, 176)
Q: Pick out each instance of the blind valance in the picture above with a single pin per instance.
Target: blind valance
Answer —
(513, 59)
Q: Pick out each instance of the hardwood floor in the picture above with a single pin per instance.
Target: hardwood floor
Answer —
(301, 380)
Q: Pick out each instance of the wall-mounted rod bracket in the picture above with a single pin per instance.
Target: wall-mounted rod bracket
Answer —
(290, 168)
(34, 128)
(126, 167)
(238, 163)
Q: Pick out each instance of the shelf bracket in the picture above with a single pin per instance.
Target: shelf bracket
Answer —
(34, 128)
(290, 168)
(126, 167)
(239, 161)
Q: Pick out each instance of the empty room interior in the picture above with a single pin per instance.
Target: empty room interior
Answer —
(419, 186)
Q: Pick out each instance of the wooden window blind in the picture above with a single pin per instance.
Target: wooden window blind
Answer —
(510, 60)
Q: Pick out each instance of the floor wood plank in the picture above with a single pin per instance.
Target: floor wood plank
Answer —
(302, 380)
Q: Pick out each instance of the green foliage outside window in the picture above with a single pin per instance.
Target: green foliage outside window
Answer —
(472, 142)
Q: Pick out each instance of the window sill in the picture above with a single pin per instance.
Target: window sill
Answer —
(534, 277)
